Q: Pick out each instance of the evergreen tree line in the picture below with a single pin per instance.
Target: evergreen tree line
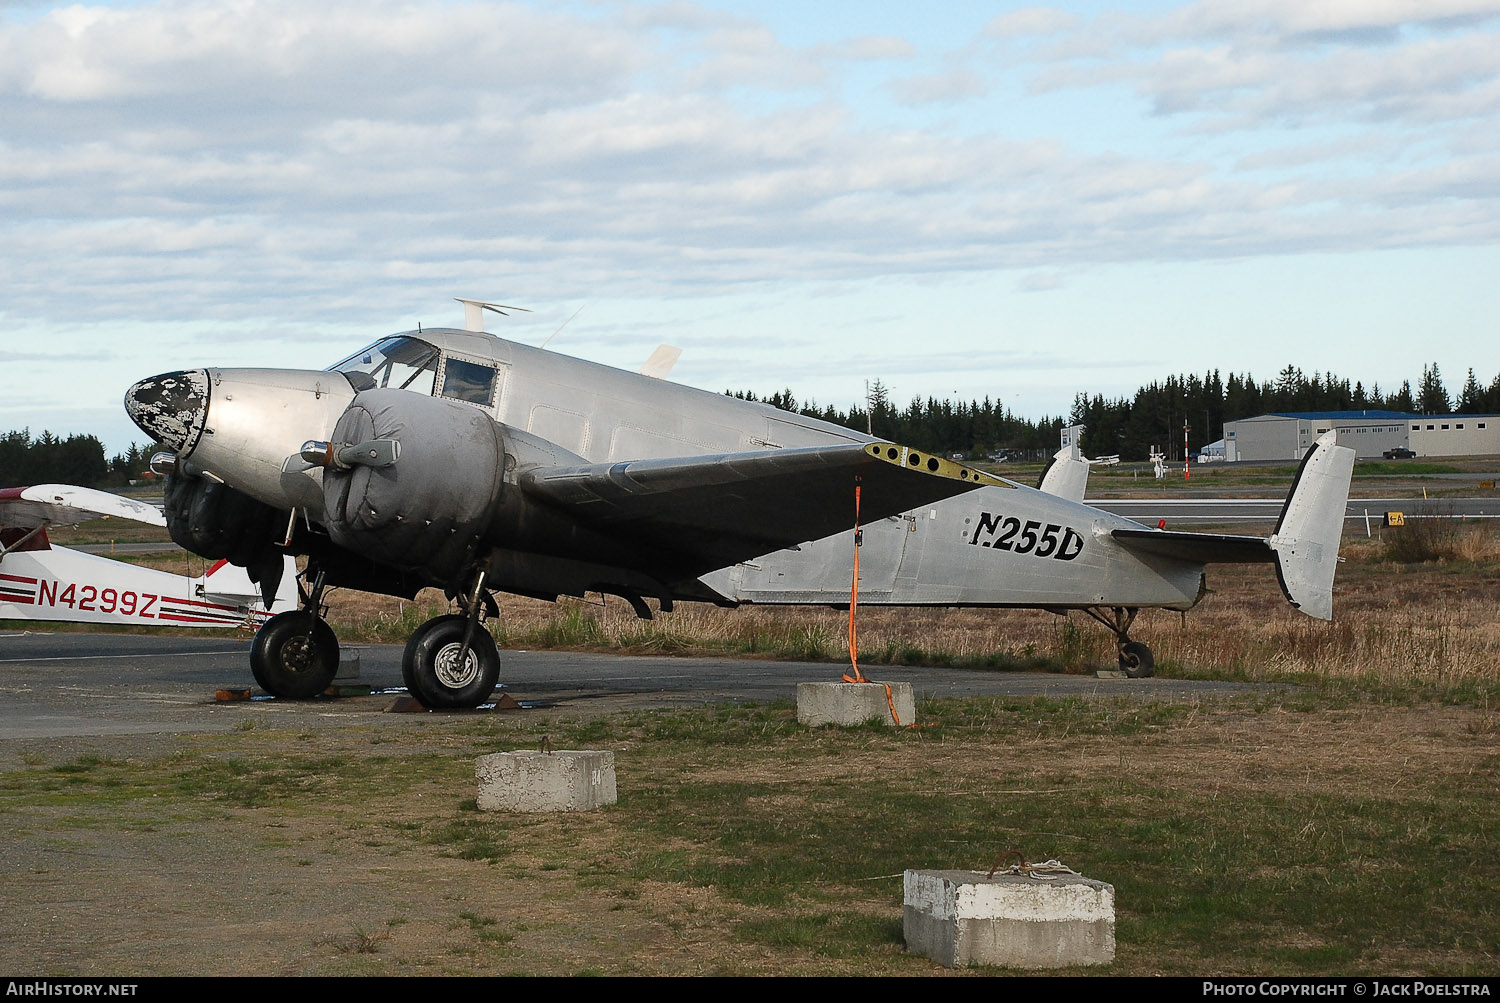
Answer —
(78, 459)
(1154, 416)
(976, 428)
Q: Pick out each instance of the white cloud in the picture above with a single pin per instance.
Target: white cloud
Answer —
(1031, 21)
(1424, 82)
(869, 48)
(946, 87)
(318, 56)
(1316, 17)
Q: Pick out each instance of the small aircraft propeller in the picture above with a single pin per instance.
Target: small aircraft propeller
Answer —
(343, 455)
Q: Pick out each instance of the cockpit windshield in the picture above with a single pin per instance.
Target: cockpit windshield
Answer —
(403, 362)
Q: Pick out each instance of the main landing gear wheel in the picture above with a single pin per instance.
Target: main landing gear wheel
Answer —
(295, 654)
(432, 669)
(1136, 660)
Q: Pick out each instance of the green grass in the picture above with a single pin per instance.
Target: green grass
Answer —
(1397, 468)
(1248, 874)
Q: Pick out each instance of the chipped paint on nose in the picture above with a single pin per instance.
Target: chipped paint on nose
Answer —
(172, 407)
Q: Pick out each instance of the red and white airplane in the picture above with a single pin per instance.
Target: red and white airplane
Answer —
(41, 582)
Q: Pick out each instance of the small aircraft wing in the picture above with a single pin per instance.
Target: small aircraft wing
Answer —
(713, 511)
(65, 504)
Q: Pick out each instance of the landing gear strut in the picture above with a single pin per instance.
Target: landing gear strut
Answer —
(1136, 660)
(451, 661)
(295, 654)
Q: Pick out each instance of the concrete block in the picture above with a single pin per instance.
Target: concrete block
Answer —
(348, 665)
(849, 704)
(962, 918)
(546, 781)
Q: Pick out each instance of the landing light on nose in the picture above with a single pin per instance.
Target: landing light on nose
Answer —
(171, 407)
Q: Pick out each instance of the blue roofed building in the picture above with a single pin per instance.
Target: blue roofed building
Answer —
(1286, 435)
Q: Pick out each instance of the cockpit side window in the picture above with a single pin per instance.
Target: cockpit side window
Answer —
(469, 381)
(401, 363)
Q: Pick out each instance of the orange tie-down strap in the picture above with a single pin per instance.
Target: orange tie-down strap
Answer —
(854, 675)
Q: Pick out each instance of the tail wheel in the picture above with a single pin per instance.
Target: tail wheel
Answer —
(295, 654)
(1136, 660)
(437, 676)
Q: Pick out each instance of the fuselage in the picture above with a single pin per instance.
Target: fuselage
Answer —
(992, 546)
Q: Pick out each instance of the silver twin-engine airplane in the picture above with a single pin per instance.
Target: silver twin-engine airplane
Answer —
(456, 459)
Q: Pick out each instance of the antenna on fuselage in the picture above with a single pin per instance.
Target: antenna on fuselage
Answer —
(474, 312)
(560, 327)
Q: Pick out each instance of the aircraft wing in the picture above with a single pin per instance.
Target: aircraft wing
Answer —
(713, 511)
(65, 504)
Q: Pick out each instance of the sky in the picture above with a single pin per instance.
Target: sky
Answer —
(963, 200)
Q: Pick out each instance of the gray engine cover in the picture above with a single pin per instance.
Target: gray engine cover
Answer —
(428, 511)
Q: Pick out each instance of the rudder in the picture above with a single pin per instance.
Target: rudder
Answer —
(1306, 540)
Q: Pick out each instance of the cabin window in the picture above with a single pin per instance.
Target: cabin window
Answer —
(399, 363)
(469, 381)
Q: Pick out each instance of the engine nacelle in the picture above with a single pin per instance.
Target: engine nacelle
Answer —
(214, 520)
(427, 512)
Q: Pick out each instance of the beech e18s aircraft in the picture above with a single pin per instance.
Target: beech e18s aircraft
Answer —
(39, 581)
(456, 459)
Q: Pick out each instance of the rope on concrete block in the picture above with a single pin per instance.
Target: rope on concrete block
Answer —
(1047, 870)
(855, 676)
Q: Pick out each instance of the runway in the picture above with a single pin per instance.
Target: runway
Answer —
(1223, 511)
(79, 685)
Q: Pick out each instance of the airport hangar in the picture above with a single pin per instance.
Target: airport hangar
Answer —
(1289, 434)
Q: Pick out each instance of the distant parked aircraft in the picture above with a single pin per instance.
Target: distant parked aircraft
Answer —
(39, 581)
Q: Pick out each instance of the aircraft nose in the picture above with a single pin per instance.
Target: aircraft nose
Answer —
(171, 408)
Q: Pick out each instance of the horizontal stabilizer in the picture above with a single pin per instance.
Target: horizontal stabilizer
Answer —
(230, 585)
(713, 511)
(1200, 548)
